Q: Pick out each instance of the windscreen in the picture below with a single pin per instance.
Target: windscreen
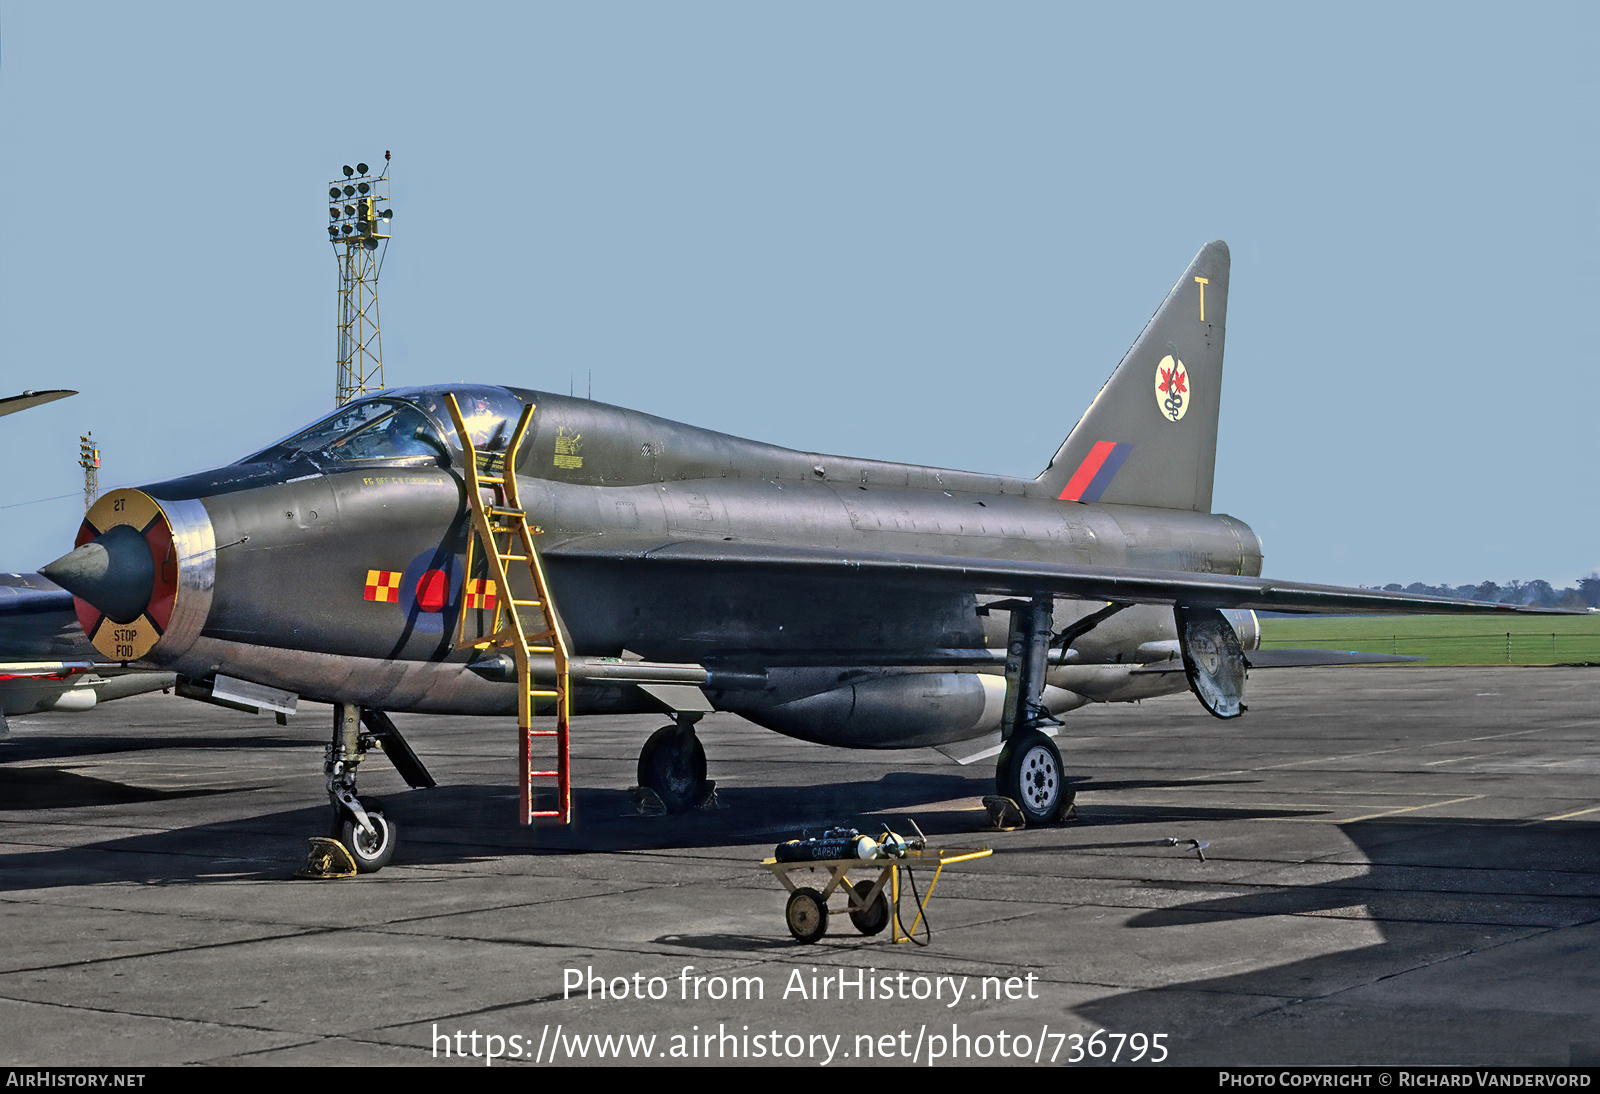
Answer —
(374, 430)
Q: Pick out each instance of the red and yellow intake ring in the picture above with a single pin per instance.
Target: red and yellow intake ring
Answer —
(132, 640)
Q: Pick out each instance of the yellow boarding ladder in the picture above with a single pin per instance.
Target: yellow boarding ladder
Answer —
(531, 625)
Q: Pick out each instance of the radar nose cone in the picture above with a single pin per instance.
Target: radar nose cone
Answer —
(114, 572)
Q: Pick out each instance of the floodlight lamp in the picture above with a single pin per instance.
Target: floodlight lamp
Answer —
(386, 214)
(363, 187)
(348, 229)
(361, 169)
(333, 213)
(333, 231)
(370, 244)
(333, 191)
(349, 210)
(349, 191)
(348, 170)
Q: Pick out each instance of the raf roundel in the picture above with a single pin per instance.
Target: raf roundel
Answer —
(1172, 388)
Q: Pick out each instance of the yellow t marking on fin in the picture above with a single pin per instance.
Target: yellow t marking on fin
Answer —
(1203, 281)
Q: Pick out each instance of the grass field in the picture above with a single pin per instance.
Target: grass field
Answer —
(1445, 639)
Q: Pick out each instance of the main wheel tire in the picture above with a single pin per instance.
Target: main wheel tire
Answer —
(807, 915)
(875, 917)
(675, 770)
(371, 852)
(1029, 773)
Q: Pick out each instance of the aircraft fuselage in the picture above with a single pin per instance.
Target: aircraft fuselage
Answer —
(340, 575)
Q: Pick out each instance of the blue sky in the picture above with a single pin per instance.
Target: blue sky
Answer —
(921, 232)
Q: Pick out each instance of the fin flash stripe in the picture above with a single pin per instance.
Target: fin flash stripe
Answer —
(1096, 471)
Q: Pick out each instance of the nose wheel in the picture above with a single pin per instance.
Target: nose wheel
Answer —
(371, 846)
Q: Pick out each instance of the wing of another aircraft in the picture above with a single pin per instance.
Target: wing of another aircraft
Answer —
(14, 403)
(46, 663)
(1011, 577)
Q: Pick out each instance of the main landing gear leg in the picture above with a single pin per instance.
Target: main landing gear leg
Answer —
(1029, 770)
(365, 832)
(672, 765)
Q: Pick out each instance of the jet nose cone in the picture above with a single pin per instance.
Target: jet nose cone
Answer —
(114, 572)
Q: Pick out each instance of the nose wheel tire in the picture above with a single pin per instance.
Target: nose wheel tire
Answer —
(1030, 774)
(807, 915)
(371, 851)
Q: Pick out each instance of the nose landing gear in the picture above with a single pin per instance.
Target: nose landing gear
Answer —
(369, 837)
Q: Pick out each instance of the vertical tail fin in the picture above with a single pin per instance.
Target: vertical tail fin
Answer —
(1150, 436)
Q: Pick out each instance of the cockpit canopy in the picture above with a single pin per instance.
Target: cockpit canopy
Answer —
(373, 429)
(377, 429)
(406, 424)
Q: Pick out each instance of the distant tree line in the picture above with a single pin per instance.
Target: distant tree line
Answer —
(1537, 593)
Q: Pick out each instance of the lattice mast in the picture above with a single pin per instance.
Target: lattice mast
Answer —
(89, 460)
(358, 228)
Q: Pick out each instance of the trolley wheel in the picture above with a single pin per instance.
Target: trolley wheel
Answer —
(807, 915)
(875, 917)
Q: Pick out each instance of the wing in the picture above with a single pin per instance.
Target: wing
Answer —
(13, 403)
(1007, 577)
(45, 661)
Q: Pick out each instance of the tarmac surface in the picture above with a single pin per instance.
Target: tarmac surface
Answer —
(1403, 867)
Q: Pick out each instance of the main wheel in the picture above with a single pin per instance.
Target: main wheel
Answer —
(673, 764)
(1029, 773)
(807, 915)
(876, 915)
(372, 852)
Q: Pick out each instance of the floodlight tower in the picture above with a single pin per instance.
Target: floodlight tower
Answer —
(358, 228)
(89, 460)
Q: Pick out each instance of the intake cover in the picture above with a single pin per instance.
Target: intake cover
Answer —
(1212, 660)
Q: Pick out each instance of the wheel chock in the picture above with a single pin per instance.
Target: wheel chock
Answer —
(1198, 846)
(326, 859)
(709, 803)
(646, 803)
(1005, 815)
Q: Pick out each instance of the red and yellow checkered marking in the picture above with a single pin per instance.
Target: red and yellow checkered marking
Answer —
(383, 586)
(480, 593)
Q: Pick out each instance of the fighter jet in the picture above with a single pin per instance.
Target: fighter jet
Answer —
(847, 601)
